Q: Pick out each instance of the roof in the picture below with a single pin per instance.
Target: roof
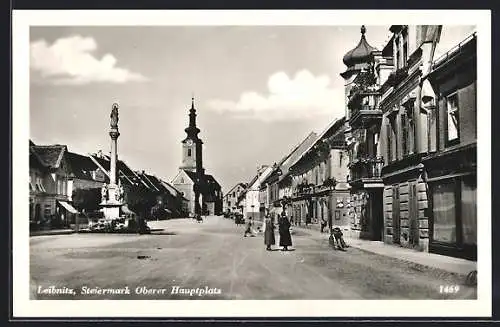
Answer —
(210, 179)
(235, 186)
(81, 166)
(273, 174)
(361, 53)
(125, 174)
(309, 141)
(50, 156)
(466, 46)
(330, 130)
(262, 176)
(170, 188)
(35, 161)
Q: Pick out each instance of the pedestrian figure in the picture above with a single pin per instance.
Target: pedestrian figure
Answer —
(199, 219)
(284, 230)
(330, 221)
(268, 233)
(336, 237)
(323, 224)
(248, 229)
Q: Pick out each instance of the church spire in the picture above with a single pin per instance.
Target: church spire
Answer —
(192, 131)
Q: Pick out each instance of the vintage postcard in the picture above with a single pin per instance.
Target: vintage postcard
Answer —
(310, 163)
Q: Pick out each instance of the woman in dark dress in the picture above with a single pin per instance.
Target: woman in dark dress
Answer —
(284, 230)
(269, 233)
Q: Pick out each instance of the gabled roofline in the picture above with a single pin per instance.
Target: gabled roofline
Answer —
(98, 164)
(320, 136)
(237, 184)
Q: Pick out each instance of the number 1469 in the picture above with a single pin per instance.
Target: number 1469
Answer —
(447, 289)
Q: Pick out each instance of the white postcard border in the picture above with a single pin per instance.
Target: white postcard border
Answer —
(24, 307)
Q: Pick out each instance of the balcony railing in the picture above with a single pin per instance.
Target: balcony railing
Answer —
(397, 76)
(362, 108)
(364, 116)
(368, 168)
(359, 92)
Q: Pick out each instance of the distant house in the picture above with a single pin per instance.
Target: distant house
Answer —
(318, 190)
(231, 197)
(274, 186)
(172, 200)
(252, 204)
(48, 183)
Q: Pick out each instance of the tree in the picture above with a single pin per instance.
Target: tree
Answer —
(86, 199)
(140, 200)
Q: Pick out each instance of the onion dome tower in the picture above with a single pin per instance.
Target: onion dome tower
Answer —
(361, 54)
(356, 60)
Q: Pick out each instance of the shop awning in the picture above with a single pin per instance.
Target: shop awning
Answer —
(127, 211)
(68, 207)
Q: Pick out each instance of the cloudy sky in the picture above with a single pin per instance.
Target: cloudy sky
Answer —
(259, 90)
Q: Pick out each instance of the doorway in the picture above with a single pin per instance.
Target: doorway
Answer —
(413, 214)
(377, 215)
(396, 222)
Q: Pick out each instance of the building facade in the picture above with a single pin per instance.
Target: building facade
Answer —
(409, 149)
(275, 189)
(363, 118)
(319, 191)
(450, 164)
(49, 176)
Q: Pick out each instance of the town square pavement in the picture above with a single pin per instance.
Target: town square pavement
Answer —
(216, 259)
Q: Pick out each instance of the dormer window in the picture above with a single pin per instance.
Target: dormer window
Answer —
(189, 152)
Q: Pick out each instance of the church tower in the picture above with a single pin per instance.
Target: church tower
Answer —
(192, 158)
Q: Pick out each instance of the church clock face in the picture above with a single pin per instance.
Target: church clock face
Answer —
(189, 142)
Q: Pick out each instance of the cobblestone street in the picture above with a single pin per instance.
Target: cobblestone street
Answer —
(215, 255)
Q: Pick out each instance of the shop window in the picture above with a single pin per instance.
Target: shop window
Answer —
(452, 122)
(469, 210)
(444, 210)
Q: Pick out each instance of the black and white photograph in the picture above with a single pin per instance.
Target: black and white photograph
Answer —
(293, 159)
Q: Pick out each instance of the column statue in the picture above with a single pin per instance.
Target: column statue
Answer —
(114, 116)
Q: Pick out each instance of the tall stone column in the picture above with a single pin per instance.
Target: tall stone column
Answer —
(114, 133)
(112, 193)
